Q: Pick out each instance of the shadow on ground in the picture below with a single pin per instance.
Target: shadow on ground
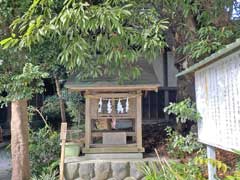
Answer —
(5, 163)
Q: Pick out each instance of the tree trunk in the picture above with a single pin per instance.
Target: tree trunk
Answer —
(61, 101)
(19, 141)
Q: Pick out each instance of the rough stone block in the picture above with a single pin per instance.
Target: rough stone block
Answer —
(134, 169)
(102, 170)
(71, 171)
(120, 170)
(86, 171)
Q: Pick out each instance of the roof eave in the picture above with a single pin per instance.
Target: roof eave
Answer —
(146, 87)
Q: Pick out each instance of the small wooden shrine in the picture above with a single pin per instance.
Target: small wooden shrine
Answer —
(113, 112)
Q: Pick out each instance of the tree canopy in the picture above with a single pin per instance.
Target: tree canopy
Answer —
(201, 27)
(99, 38)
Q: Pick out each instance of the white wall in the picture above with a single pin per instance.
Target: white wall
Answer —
(218, 101)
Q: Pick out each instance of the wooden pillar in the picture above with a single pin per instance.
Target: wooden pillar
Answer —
(139, 121)
(166, 103)
(211, 154)
(87, 123)
(165, 82)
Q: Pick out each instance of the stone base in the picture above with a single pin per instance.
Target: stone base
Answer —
(81, 168)
(114, 156)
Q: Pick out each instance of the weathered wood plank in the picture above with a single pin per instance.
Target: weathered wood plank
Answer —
(112, 145)
(113, 150)
(125, 88)
(63, 136)
(139, 122)
(99, 134)
(114, 138)
(87, 123)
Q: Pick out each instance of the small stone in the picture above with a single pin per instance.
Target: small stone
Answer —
(102, 170)
(112, 179)
(130, 178)
(120, 170)
(135, 171)
(86, 171)
(70, 171)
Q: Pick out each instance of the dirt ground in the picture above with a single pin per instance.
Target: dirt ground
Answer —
(5, 164)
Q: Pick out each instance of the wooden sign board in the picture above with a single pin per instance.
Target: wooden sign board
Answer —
(112, 138)
(218, 101)
(63, 133)
(63, 136)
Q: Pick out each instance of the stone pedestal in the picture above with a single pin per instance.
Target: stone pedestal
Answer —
(81, 168)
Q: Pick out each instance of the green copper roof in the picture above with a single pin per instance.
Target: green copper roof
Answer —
(147, 77)
(230, 48)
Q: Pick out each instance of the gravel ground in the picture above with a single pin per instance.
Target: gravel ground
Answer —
(5, 164)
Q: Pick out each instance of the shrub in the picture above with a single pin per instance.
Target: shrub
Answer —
(74, 108)
(171, 170)
(46, 176)
(178, 146)
(51, 108)
(184, 110)
(44, 150)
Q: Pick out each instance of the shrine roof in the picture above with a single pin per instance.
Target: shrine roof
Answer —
(147, 81)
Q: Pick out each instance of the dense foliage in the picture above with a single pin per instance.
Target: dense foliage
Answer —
(172, 170)
(44, 150)
(183, 110)
(20, 78)
(22, 86)
(179, 146)
(200, 28)
(107, 38)
(74, 108)
(46, 176)
(194, 169)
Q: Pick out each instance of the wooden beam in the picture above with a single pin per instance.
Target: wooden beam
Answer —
(99, 134)
(112, 145)
(63, 136)
(87, 123)
(166, 103)
(119, 88)
(139, 122)
(112, 150)
(119, 116)
(113, 95)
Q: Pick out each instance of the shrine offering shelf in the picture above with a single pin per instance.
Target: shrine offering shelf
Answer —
(126, 116)
(113, 145)
(99, 133)
(123, 149)
(117, 118)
